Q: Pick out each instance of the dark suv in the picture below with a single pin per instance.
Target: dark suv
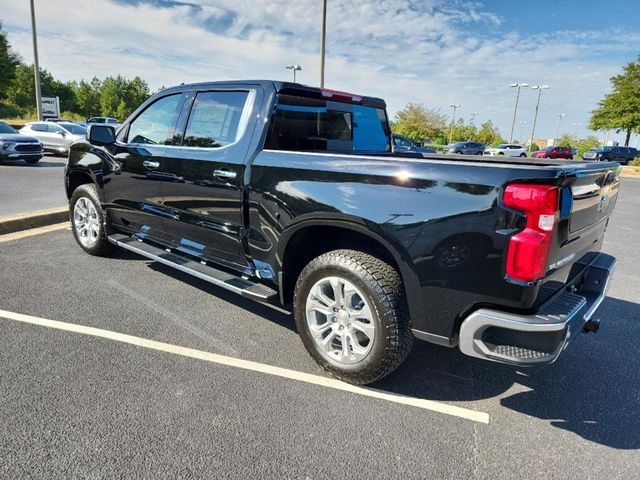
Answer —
(466, 148)
(622, 155)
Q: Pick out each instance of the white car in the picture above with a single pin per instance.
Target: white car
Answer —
(508, 149)
(56, 137)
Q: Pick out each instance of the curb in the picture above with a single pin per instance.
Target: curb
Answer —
(27, 220)
(630, 171)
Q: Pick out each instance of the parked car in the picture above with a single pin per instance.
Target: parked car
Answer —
(554, 152)
(465, 148)
(103, 121)
(55, 137)
(15, 146)
(507, 149)
(622, 155)
(370, 249)
(403, 144)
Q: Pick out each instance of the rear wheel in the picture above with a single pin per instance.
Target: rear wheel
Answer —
(523, 154)
(351, 313)
(87, 221)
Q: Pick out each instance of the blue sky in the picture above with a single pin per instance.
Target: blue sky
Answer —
(436, 52)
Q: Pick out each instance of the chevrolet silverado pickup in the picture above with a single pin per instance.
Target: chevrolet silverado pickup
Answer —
(289, 194)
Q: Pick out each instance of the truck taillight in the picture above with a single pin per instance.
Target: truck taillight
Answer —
(528, 250)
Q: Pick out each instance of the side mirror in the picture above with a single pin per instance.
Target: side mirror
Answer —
(101, 135)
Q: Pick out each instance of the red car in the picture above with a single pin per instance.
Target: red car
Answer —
(554, 152)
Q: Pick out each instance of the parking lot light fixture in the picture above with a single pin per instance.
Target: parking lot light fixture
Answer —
(515, 110)
(560, 117)
(473, 117)
(295, 68)
(535, 117)
(455, 106)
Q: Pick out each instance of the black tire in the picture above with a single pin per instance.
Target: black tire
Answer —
(32, 161)
(459, 152)
(479, 153)
(102, 247)
(382, 285)
(523, 155)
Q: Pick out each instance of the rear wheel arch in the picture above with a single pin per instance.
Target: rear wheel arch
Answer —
(306, 242)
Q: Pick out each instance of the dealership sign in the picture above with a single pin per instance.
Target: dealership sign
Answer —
(50, 107)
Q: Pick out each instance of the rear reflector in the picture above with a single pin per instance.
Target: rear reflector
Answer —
(528, 250)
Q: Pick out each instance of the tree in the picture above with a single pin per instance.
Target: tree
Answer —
(419, 123)
(88, 97)
(567, 140)
(9, 62)
(620, 109)
(587, 144)
(489, 134)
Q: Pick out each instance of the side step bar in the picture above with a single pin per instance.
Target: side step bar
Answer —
(220, 278)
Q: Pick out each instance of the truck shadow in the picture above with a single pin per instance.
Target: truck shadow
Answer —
(593, 390)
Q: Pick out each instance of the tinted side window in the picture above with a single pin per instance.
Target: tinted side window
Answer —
(214, 120)
(39, 127)
(155, 125)
(53, 128)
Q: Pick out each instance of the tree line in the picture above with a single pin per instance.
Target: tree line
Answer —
(113, 96)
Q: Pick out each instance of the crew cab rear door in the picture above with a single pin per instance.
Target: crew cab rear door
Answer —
(203, 184)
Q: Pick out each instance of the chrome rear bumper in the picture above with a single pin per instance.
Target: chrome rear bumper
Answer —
(538, 338)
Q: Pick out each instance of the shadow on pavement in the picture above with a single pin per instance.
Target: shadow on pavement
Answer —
(42, 163)
(593, 390)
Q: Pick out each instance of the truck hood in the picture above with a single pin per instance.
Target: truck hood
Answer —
(18, 138)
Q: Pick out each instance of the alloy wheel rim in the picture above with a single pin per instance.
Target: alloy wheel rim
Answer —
(86, 222)
(340, 320)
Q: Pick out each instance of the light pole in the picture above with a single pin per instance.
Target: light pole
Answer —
(36, 65)
(535, 117)
(515, 110)
(473, 117)
(323, 33)
(295, 68)
(455, 106)
(522, 124)
(560, 117)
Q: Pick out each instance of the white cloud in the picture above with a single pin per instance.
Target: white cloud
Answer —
(433, 51)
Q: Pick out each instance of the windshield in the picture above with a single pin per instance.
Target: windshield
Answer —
(73, 128)
(548, 149)
(502, 145)
(4, 128)
(602, 149)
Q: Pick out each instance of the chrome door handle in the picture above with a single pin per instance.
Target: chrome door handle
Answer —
(151, 164)
(223, 173)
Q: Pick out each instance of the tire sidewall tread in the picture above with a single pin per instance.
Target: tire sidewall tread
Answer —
(382, 285)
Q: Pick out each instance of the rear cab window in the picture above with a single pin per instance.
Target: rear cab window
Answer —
(310, 124)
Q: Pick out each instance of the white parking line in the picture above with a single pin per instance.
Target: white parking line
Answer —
(7, 237)
(479, 417)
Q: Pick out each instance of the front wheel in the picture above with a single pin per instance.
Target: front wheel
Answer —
(351, 313)
(87, 221)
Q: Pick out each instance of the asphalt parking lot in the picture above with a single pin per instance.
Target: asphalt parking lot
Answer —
(26, 188)
(79, 405)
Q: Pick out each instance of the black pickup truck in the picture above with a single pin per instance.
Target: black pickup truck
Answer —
(286, 193)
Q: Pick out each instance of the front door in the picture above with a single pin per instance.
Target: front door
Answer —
(133, 186)
(203, 177)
